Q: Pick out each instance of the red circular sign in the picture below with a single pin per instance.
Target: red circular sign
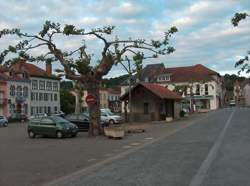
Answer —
(90, 99)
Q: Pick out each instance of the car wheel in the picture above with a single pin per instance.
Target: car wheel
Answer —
(32, 134)
(5, 124)
(111, 122)
(59, 134)
(73, 135)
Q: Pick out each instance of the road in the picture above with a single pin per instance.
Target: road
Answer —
(214, 151)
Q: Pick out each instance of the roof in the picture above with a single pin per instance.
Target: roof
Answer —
(159, 91)
(31, 69)
(190, 73)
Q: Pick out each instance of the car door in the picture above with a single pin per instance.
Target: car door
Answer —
(83, 122)
(48, 127)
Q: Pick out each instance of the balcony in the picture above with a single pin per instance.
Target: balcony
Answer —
(20, 99)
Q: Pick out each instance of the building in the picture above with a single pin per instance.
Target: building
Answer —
(15, 94)
(114, 99)
(242, 92)
(152, 102)
(201, 87)
(44, 94)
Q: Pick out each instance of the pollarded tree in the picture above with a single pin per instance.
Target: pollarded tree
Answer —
(244, 62)
(78, 64)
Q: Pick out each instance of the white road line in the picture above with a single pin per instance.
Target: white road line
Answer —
(203, 170)
(150, 138)
(93, 159)
(126, 147)
(135, 144)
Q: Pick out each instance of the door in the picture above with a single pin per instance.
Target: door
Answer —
(48, 127)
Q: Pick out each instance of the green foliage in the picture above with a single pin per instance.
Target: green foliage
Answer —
(117, 81)
(238, 17)
(244, 62)
(67, 101)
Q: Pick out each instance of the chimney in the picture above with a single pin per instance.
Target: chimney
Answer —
(49, 68)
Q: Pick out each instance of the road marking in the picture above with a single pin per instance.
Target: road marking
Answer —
(150, 138)
(203, 170)
(90, 160)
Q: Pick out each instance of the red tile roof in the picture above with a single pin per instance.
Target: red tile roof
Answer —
(190, 73)
(159, 91)
(31, 69)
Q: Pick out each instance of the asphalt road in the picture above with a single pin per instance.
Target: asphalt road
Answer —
(213, 152)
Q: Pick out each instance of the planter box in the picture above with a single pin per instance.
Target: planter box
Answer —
(114, 132)
(169, 119)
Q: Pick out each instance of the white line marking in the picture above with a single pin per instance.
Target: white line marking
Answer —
(150, 138)
(135, 144)
(93, 159)
(202, 172)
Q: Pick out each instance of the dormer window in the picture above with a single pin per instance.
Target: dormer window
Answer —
(165, 77)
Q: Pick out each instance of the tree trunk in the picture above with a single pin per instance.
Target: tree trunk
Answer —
(78, 102)
(95, 127)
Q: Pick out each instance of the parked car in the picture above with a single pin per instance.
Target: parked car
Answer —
(38, 115)
(3, 121)
(51, 126)
(110, 117)
(59, 113)
(81, 120)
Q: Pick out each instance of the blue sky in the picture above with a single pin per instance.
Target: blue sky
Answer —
(205, 35)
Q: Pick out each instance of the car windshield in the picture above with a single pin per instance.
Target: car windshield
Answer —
(109, 113)
(58, 119)
(1, 117)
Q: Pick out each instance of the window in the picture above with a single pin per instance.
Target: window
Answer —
(55, 109)
(206, 89)
(55, 86)
(164, 78)
(47, 121)
(36, 96)
(45, 109)
(37, 109)
(146, 106)
(19, 92)
(45, 96)
(34, 84)
(40, 109)
(55, 97)
(197, 89)
(42, 85)
(25, 92)
(12, 90)
(48, 85)
(40, 96)
(51, 97)
(49, 110)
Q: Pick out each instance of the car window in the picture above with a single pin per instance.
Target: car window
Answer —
(83, 117)
(47, 121)
(35, 120)
(1, 117)
(71, 117)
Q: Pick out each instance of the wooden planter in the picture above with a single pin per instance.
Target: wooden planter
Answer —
(169, 119)
(114, 132)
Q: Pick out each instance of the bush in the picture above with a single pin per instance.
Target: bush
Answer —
(182, 113)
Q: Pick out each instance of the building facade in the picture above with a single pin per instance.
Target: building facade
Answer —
(43, 89)
(201, 87)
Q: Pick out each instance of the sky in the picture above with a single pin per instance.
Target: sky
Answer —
(206, 35)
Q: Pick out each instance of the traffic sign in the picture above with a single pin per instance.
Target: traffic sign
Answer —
(90, 99)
